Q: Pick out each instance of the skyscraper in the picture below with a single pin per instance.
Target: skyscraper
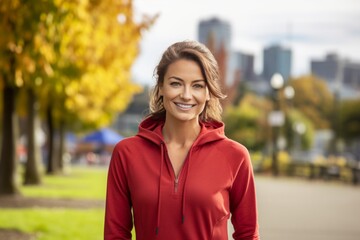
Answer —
(277, 59)
(244, 63)
(330, 68)
(215, 34)
(342, 76)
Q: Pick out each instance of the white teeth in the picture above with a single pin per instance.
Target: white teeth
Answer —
(187, 106)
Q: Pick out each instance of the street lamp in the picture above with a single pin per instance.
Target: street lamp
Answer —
(289, 92)
(276, 119)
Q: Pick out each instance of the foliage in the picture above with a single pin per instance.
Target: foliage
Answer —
(95, 44)
(314, 100)
(74, 56)
(247, 122)
(306, 139)
(349, 119)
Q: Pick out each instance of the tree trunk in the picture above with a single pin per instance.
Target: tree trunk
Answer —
(8, 184)
(61, 147)
(50, 168)
(32, 173)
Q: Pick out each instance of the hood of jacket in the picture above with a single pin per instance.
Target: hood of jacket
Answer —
(151, 128)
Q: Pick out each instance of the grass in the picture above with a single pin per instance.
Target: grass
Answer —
(84, 183)
(55, 224)
(62, 223)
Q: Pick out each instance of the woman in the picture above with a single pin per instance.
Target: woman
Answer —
(180, 178)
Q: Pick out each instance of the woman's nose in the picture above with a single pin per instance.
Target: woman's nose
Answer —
(186, 93)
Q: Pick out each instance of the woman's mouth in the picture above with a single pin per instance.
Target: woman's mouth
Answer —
(184, 106)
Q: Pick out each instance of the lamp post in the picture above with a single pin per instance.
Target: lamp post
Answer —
(289, 94)
(276, 119)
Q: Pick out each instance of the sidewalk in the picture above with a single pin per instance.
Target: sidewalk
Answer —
(299, 209)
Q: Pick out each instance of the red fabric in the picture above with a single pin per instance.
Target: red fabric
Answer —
(216, 181)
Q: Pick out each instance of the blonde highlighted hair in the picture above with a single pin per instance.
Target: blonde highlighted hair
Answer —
(195, 51)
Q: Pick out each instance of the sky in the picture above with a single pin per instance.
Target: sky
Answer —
(310, 28)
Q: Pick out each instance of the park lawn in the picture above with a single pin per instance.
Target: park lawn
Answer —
(62, 223)
(55, 224)
(77, 183)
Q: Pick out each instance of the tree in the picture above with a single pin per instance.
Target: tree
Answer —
(349, 119)
(19, 60)
(97, 45)
(51, 49)
(247, 122)
(313, 98)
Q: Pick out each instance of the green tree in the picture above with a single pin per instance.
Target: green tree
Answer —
(247, 122)
(349, 120)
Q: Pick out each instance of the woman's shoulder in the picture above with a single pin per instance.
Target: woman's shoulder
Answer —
(232, 146)
(132, 142)
(235, 153)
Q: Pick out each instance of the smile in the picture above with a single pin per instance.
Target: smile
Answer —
(184, 106)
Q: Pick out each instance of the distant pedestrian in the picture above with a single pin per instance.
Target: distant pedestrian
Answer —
(180, 177)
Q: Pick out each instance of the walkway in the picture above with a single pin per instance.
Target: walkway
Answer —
(299, 209)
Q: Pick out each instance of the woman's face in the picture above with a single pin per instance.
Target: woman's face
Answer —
(184, 91)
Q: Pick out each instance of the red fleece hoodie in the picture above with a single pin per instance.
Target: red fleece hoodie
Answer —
(216, 181)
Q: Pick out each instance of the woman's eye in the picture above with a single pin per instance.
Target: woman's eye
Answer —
(198, 86)
(175, 84)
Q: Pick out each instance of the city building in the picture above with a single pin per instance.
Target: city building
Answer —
(342, 76)
(215, 34)
(277, 59)
(244, 63)
(329, 68)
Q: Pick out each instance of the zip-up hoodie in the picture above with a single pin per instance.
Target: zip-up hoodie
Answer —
(215, 182)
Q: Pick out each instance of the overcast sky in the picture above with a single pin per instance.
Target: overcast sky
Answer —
(311, 28)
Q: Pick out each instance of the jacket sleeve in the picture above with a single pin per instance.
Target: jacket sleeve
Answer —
(118, 216)
(243, 202)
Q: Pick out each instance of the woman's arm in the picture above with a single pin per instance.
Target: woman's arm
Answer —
(118, 216)
(243, 202)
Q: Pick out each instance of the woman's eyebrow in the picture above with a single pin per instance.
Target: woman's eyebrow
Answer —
(180, 79)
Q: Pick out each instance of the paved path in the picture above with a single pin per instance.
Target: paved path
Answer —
(299, 209)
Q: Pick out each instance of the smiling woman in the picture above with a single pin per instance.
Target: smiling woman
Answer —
(180, 177)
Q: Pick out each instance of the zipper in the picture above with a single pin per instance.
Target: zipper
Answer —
(176, 183)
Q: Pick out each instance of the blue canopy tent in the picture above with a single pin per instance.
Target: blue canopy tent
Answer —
(104, 136)
(101, 143)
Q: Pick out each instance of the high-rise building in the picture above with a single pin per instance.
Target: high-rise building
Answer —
(244, 63)
(352, 75)
(330, 68)
(277, 59)
(342, 76)
(215, 34)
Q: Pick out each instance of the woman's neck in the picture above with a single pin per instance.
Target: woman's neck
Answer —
(182, 133)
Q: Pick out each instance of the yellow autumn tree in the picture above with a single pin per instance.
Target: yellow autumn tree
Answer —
(91, 82)
(72, 56)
